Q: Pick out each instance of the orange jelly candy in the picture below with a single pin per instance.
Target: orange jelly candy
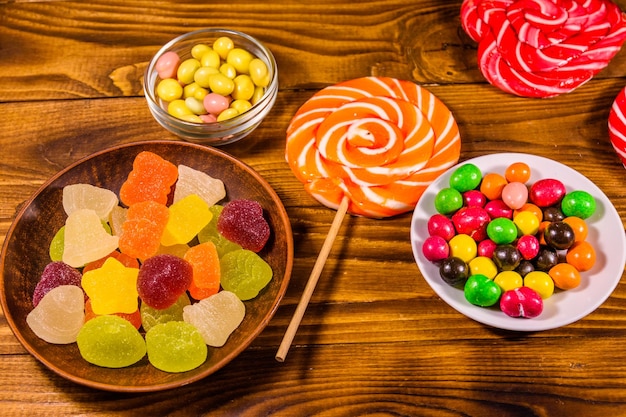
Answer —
(206, 270)
(143, 229)
(126, 260)
(151, 179)
(134, 318)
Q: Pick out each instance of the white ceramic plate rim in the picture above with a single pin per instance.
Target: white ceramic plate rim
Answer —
(564, 307)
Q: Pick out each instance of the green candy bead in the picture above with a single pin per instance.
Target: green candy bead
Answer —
(448, 200)
(578, 203)
(502, 230)
(481, 291)
(466, 177)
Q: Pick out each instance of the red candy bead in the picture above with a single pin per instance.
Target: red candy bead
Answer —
(521, 302)
(435, 248)
(440, 225)
(471, 221)
(474, 198)
(547, 192)
(528, 246)
(486, 248)
(498, 208)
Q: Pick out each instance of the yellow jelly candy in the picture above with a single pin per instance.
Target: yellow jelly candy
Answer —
(112, 288)
(86, 240)
(187, 217)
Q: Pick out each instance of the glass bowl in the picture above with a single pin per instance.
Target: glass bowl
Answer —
(216, 133)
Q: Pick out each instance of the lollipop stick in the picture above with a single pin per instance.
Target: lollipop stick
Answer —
(312, 282)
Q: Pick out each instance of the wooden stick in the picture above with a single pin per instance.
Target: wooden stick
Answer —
(312, 282)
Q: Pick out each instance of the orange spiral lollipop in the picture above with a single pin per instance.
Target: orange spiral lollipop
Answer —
(370, 147)
(378, 141)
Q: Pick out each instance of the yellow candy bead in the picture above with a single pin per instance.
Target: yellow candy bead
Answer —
(195, 91)
(508, 280)
(191, 118)
(527, 223)
(241, 106)
(221, 84)
(223, 45)
(259, 73)
(483, 265)
(228, 70)
(227, 114)
(541, 282)
(169, 89)
(199, 50)
(203, 75)
(244, 87)
(196, 106)
(178, 108)
(258, 94)
(463, 246)
(211, 59)
(187, 69)
(240, 59)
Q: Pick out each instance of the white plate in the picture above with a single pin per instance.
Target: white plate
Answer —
(564, 307)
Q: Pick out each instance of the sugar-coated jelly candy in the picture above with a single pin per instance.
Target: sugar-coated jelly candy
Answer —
(134, 318)
(59, 315)
(117, 217)
(86, 239)
(186, 218)
(521, 302)
(150, 179)
(244, 273)
(162, 279)
(143, 228)
(112, 288)
(481, 291)
(465, 178)
(54, 275)
(87, 196)
(578, 203)
(211, 234)
(242, 222)
(111, 342)
(150, 317)
(546, 192)
(56, 245)
(448, 200)
(205, 262)
(175, 346)
(216, 317)
(454, 271)
(191, 181)
(126, 260)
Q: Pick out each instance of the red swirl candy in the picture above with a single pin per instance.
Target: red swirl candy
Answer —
(543, 48)
(617, 125)
(377, 140)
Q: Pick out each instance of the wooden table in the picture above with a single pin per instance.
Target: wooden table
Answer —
(375, 339)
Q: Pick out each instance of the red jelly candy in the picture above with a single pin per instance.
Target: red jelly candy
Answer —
(162, 279)
(242, 222)
(54, 275)
(151, 179)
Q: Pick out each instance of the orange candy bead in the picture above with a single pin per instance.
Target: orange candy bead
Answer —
(581, 256)
(492, 185)
(517, 172)
(151, 179)
(565, 276)
(205, 262)
(579, 226)
(532, 208)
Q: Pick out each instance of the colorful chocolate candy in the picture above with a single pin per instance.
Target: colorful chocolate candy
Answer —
(543, 48)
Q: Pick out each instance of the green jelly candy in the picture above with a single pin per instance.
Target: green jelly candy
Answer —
(151, 316)
(210, 234)
(482, 291)
(465, 178)
(448, 200)
(111, 342)
(57, 244)
(578, 203)
(175, 346)
(244, 273)
(502, 230)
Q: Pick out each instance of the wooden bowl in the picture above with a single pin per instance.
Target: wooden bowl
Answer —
(25, 254)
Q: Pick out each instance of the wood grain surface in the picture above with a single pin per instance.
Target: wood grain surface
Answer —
(375, 339)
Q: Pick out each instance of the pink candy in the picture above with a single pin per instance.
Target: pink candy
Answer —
(617, 125)
(167, 65)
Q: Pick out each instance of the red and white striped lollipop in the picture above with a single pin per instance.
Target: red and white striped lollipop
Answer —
(543, 48)
(617, 125)
(378, 141)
